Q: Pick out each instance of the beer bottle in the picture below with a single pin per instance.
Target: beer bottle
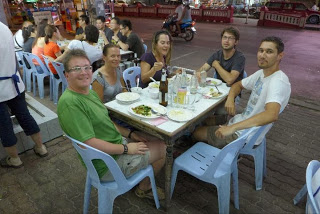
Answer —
(163, 89)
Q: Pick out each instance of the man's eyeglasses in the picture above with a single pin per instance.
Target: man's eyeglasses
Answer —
(79, 69)
(228, 38)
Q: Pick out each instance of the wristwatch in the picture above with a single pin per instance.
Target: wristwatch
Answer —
(125, 149)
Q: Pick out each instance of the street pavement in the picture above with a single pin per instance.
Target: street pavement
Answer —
(55, 184)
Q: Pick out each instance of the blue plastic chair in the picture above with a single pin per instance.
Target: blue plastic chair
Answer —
(22, 65)
(60, 70)
(130, 75)
(145, 48)
(313, 187)
(37, 75)
(215, 166)
(303, 192)
(108, 191)
(28, 73)
(55, 82)
(259, 154)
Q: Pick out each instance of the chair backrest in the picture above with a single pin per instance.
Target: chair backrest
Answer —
(145, 48)
(130, 75)
(313, 186)
(223, 161)
(29, 57)
(88, 154)
(60, 70)
(47, 61)
(253, 138)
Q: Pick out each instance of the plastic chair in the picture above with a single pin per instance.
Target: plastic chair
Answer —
(259, 154)
(60, 70)
(313, 187)
(21, 64)
(215, 166)
(39, 75)
(145, 48)
(108, 191)
(27, 74)
(303, 192)
(130, 75)
(55, 82)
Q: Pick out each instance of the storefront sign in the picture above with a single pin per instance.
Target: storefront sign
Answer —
(38, 16)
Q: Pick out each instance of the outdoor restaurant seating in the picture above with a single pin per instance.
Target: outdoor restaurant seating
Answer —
(259, 155)
(27, 74)
(21, 64)
(55, 82)
(108, 191)
(215, 166)
(130, 76)
(313, 187)
(38, 76)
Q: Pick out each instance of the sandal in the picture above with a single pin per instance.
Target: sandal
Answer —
(148, 193)
(7, 163)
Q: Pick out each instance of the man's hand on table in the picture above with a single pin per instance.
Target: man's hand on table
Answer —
(224, 131)
(137, 148)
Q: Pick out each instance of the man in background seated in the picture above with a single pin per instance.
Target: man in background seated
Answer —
(133, 42)
(103, 30)
(270, 93)
(115, 30)
(83, 22)
(83, 117)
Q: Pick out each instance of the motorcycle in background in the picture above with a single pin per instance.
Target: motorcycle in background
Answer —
(187, 28)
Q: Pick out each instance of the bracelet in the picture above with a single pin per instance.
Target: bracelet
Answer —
(125, 149)
(129, 135)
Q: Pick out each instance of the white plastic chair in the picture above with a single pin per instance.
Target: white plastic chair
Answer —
(259, 154)
(130, 75)
(39, 75)
(215, 166)
(108, 191)
(313, 187)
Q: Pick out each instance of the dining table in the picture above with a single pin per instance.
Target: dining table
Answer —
(164, 127)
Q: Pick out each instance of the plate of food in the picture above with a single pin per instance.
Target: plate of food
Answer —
(213, 81)
(127, 97)
(180, 115)
(147, 110)
(213, 93)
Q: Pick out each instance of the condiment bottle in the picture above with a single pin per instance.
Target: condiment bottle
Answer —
(163, 89)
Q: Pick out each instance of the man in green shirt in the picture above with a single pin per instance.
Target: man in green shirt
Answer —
(83, 117)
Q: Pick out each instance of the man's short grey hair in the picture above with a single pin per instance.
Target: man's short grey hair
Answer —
(73, 54)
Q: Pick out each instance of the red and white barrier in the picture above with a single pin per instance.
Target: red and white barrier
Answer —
(278, 19)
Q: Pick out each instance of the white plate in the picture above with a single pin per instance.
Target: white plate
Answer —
(213, 81)
(209, 93)
(180, 115)
(157, 107)
(127, 97)
(188, 76)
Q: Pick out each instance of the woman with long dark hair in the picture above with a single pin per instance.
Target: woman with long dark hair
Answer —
(29, 34)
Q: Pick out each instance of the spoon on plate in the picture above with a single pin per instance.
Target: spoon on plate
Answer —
(155, 81)
(156, 112)
(219, 93)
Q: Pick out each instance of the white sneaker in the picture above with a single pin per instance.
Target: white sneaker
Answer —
(11, 162)
(42, 151)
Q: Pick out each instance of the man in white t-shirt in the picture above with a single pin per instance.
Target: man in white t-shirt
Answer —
(270, 94)
(12, 97)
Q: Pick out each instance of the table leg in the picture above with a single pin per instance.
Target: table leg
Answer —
(168, 169)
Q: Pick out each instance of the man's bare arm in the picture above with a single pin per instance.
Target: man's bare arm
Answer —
(228, 77)
(269, 115)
